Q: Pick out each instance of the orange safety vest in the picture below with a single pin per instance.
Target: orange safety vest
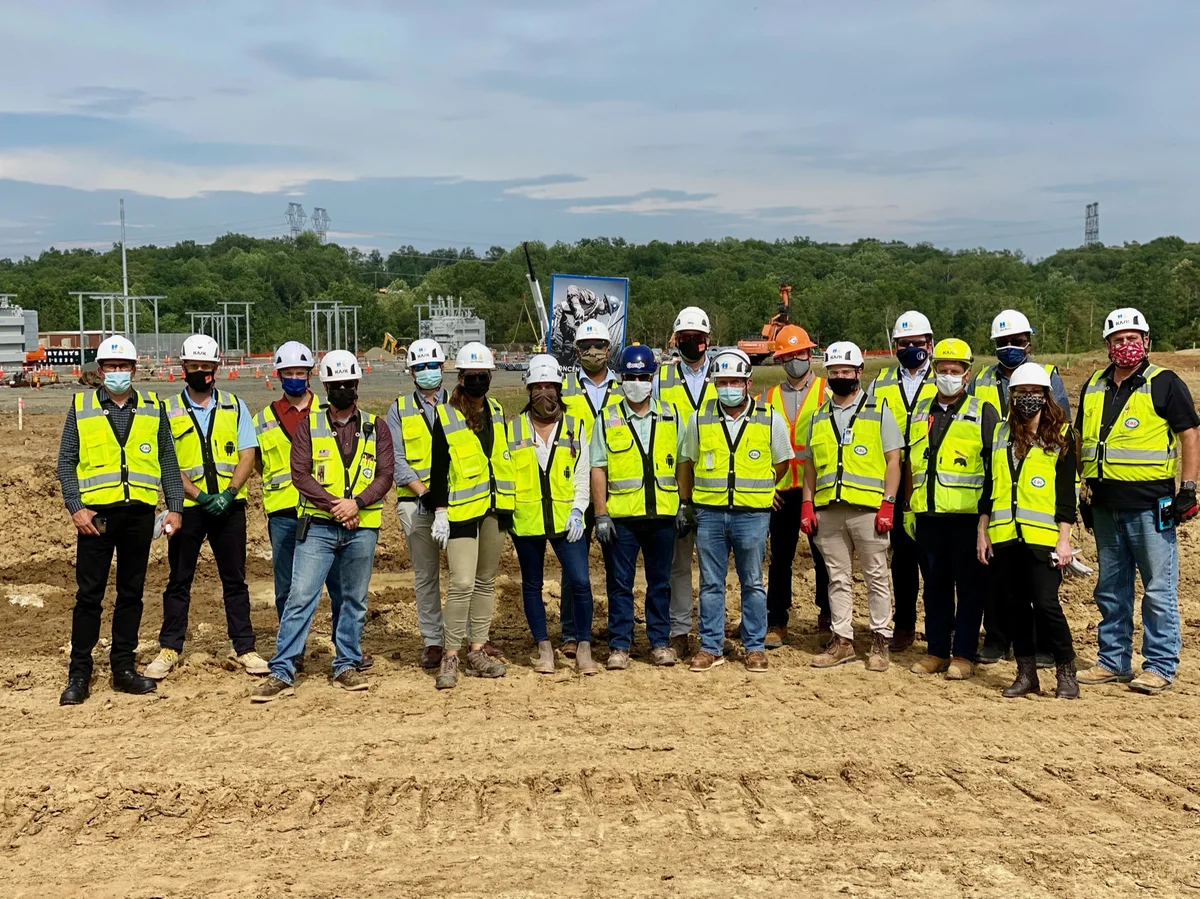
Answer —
(798, 429)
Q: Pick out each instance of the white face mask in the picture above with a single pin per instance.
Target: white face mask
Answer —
(637, 391)
(949, 385)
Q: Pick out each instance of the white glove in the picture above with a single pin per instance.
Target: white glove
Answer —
(575, 526)
(441, 528)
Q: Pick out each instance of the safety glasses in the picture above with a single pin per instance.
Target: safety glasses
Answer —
(424, 366)
(641, 376)
(591, 345)
(1022, 342)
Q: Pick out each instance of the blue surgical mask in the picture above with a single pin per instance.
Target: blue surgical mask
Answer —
(117, 381)
(429, 378)
(295, 386)
(1011, 356)
(912, 357)
(731, 396)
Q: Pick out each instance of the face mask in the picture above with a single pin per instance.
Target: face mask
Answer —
(1127, 355)
(295, 386)
(117, 381)
(843, 386)
(593, 360)
(476, 384)
(949, 385)
(342, 398)
(200, 381)
(912, 356)
(796, 368)
(637, 391)
(1011, 356)
(1028, 404)
(692, 350)
(544, 408)
(429, 378)
(731, 396)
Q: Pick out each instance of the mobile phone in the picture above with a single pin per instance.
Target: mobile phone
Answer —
(302, 528)
(1166, 513)
(100, 523)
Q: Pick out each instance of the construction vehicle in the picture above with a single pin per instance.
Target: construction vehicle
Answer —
(35, 377)
(392, 345)
(539, 305)
(760, 347)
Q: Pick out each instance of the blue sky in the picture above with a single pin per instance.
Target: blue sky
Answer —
(961, 122)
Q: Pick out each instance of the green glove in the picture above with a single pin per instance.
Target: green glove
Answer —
(220, 504)
(203, 499)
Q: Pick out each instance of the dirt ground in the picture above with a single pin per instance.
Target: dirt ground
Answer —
(643, 783)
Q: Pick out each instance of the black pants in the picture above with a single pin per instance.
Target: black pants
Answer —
(1028, 596)
(785, 537)
(995, 621)
(127, 532)
(906, 570)
(947, 544)
(226, 534)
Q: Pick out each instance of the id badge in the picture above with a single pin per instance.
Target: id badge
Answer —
(847, 436)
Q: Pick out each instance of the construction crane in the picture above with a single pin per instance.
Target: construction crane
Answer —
(539, 305)
(759, 349)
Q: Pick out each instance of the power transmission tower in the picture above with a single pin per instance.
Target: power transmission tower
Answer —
(320, 222)
(295, 218)
(1091, 225)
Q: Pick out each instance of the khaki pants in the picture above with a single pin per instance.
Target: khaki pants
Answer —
(842, 530)
(425, 557)
(471, 596)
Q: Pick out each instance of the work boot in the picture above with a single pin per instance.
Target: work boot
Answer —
(705, 661)
(1027, 678)
(544, 663)
(902, 640)
(270, 689)
(880, 658)
(480, 664)
(756, 662)
(838, 652)
(129, 681)
(682, 644)
(76, 692)
(351, 680)
(492, 650)
(1149, 682)
(569, 649)
(1098, 674)
(662, 656)
(431, 658)
(253, 663)
(583, 659)
(447, 678)
(1067, 686)
(929, 664)
(991, 653)
(776, 636)
(960, 669)
(618, 660)
(163, 664)
(1045, 661)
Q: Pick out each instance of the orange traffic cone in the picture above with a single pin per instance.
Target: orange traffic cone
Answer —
(170, 376)
(368, 368)
(267, 381)
(258, 371)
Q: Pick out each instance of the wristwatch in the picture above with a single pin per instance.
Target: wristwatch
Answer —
(1187, 484)
(890, 499)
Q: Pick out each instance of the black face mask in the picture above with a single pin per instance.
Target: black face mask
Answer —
(476, 384)
(692, 350)
(843, 386)
(200, 381)
(342, 398)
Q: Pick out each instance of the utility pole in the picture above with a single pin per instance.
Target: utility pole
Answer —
(320, 222)
(124, 264)
(295, 219)
(1091, 225)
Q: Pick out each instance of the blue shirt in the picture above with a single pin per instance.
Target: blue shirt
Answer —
(247, 439)
(596, 392)
(693, 379)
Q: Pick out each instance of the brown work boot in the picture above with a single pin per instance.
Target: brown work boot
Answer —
(682, 644)
(1149, 682)
(1098, 674)
(705, 661)
(431, 657)
(493, 651)
(960, 669)
(929, 665)
(351, 680)
(838, 652)
(481, 664)
(880, 658)
(662, 656)
(447, 678)
(756, 662)
(569, 649)
(901, 640)
(367, 663)
(776, 636)
(583, 659)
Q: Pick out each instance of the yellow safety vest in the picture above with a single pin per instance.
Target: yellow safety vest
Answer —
(1025, 511)
(331, 472)
(275, 447)
(634, 473)
(222, 443)
(478, 484)
(544, 498)
(1138, 445)
(579, 402)
(987, 387)
(888, 388)
(108, 472)
(798, 429)
(957, 481)
(417, 437)
(672, 391)
(737, 474)
(855, 477)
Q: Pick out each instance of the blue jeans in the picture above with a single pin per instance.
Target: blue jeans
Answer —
(1125, 539)
(655, 538)
(531, 553)
(341, 560)
(566, 612)
(745, 533)
(282, 531)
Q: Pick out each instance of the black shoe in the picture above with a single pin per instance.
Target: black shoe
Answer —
(992, 653)
(1068, 686)
(1027, 678)
(77, 691)
(1045, 661)
(130, 681)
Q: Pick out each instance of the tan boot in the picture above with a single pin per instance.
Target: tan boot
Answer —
(838, 652)
(776, 636)
(583, 659)
(880, 657)
(929, 665)
(960, 669)
(544, 663)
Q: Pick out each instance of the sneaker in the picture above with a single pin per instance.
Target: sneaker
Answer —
(682, 644)
(251, 661)
(270, 689)
(351, 680)
(662, 656)
(618, 660)
(902, 640)
(838, 652)
(929, 665)
(776, 636)
(880, 657)
(492, 651)
(960, 669)
(705, 661)
(1098, 674)
(162, 665)
(569, 648)
(756, 662)
(447, 678)
(481, 664)
(1149, 682)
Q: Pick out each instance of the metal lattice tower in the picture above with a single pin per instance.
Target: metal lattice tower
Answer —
(296, 218)
(1091, 225)
(320, 222)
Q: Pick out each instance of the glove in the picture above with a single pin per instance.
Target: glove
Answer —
(606, 530)
(1185, 507)
(808, 518)
(685, 520)
(575, 526)
(203, 499)
(441, 528)
(885, 518)
(219, 504)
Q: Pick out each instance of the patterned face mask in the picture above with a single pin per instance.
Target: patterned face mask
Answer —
(1028, 404)
(1127, 355)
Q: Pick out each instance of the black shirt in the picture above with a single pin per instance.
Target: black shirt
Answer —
(1172, 402)
(940, 418)
(439, 472)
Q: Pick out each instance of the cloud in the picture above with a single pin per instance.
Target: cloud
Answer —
(109, 100)
(296, 60)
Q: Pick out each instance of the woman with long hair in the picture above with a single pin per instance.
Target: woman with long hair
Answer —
(1025, 527)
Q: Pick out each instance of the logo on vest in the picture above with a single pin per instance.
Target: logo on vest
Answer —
(368, 473)
(1037, 482)
(754, 454)
(144, 449)
(860, 450)
(1131, 423)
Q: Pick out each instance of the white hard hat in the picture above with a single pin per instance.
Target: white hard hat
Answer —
(731, 363)
(116, 347)
(691, 318)
(1127, 319)
(293, 354)
(911, 324)
(425, 350)
(1029, 374)
(200, 348)
(543, 369)
(843, 352)
(340, 365)
(593, 329)
(475, 355)
(1010, 322)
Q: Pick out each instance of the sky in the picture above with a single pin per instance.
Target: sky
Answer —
(964, 123)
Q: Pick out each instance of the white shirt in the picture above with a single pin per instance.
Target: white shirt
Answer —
(582, 474)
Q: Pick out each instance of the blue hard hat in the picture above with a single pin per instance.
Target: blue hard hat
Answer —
(636, 360)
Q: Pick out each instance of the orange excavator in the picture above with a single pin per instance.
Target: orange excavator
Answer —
(760, 348)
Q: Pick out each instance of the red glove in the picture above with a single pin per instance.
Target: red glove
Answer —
(885, 517)
(808, 518)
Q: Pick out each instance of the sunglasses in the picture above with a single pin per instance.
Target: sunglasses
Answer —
(644, 376)
(920, 344)
(424, 366)
(1012, 341)
(592, 345)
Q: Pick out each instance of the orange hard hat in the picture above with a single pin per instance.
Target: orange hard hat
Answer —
(791, 338)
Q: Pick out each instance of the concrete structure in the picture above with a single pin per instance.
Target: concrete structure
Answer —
(13, 336)
(450, 323)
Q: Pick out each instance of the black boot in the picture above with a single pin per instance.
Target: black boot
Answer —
(77, 691)
(129, 681)
(1027, 678)
(1068, 686)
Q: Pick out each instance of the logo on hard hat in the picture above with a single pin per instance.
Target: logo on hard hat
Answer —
(793, 339)
(1131, 422)
(1037, 482)
(144, 449)
(638, 364)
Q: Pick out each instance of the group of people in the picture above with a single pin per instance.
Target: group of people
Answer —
(972, 481)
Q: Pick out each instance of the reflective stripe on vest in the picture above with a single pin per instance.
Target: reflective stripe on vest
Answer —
(1023, 493)
(737, 474)
(544, 498)
(888, 387)
(478, 484)
(635, 474)
(856, 477)
(672, 390)
(417, 437)
(1139, 444)
(331, 472)
(958, 468)
(275, 447)
(107, 472)
(579, 402)
(222, 442)
(798, 429)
